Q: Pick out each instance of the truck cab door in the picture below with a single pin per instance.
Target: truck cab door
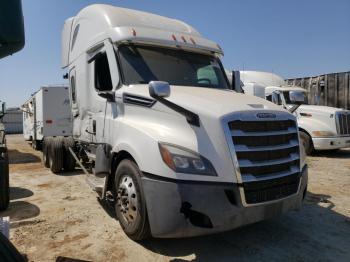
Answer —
(104, 81)
(74, 101)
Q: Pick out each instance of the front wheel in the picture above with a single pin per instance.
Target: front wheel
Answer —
(130, 202)
(307, 143)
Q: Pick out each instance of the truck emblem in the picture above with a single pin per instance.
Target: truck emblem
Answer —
(266, 115)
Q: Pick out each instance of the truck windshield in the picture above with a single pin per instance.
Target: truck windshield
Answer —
(142, 64)
(287, 98)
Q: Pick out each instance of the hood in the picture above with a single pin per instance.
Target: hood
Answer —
(210, 101)
(320, 109)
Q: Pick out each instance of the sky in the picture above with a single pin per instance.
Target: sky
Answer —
(291, 38)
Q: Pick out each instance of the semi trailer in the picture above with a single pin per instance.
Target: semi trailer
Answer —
(158, 128)
(321, 127)
(47, 114)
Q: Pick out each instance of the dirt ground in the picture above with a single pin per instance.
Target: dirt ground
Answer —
(58, 215)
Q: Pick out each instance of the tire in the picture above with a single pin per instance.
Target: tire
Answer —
(46, 145)
(4, 183)
(130, 204)
(68, 160)
(307, 142)
(8, 252)
(56, 155)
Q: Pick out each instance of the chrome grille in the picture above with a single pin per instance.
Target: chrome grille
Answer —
(266, 150)
(343, 122)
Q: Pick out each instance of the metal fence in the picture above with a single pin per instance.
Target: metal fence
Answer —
(13, 121)
(329, 90)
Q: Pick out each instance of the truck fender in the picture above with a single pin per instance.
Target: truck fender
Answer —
(309, 125)
(103, 160)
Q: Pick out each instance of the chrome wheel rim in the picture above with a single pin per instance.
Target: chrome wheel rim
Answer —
(127, 199)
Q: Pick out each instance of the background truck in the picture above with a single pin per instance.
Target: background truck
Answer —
(321, 127)
(158, 129)
(47, 115)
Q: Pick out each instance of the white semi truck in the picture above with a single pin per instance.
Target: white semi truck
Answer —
(157, 127)
(321, 127)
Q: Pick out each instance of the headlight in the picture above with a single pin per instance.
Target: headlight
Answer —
(183, 160)
(323, 133)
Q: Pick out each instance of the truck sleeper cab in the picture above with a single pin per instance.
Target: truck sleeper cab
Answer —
(157, 127)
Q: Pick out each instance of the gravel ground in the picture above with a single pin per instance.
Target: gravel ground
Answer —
(58, 215)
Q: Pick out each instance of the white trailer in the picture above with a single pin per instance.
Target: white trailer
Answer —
(47, 114)
(157, 127)
(321, 127)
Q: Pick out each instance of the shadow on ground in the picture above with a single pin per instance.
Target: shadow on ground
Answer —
(20, 210)
(341, 153)
(18, 157)
(19, 192)
(76, 172)
(315, 233)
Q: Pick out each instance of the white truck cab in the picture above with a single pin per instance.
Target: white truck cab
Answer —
(322, 127)
(157, 127)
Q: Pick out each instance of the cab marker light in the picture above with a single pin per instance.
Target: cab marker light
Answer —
(174, 37)
(193, 42)
(183, 39)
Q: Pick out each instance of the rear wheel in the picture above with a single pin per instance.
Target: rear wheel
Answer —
(46, 145)
(68, 160)
(4, 183)
(130, 202)
(56, 154)
(36, 145)
(307, 142)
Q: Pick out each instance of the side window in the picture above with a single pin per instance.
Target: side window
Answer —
(103, 81)
(269, 98)
(72, 90)
(207, 76)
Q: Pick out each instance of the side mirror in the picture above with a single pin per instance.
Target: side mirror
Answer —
(3, 109)
(296, 97)
(12, 27)
(159, 89)
(276, 98)
(109, 95)
(236, 82)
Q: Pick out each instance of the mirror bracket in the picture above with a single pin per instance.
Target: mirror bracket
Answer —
(109, 95)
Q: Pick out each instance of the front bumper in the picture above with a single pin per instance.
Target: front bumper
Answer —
(329, 143)
(186, 209)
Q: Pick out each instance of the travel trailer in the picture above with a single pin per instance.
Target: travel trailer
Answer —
(157, 128)
(321, 127)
